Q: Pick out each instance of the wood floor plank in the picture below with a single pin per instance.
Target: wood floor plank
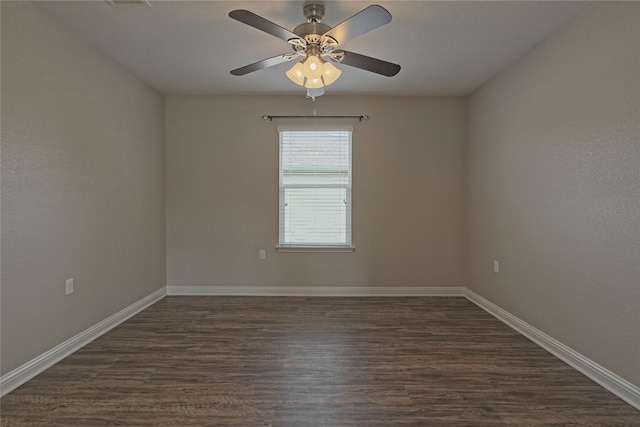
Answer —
(299, 361)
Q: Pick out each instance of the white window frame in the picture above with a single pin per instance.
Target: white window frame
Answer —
(317, 247)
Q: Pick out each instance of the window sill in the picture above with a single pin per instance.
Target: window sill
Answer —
(315, 248)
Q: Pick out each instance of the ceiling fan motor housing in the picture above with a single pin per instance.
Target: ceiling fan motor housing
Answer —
(312, 30)
(307, 28)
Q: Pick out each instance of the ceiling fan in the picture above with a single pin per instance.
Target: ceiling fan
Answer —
(318, 44)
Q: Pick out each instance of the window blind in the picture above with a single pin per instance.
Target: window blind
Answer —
(315, 188)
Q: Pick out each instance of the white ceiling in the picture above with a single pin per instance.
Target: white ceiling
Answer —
(189, 47)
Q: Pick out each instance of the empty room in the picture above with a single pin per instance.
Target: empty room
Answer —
(320, 213)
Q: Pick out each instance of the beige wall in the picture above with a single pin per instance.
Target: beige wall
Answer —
(554, 187)
(222, 192)
(82, 185)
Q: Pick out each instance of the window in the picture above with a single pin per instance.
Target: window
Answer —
(315, 188)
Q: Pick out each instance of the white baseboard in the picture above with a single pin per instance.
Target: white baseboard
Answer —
(622, 388)
(324, 291)
(24, 373)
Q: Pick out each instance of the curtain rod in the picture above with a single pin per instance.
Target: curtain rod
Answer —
(360, 118)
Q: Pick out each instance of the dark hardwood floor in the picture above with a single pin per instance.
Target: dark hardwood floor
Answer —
(293, 361)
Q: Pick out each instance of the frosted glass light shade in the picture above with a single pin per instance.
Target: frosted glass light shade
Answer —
(312, 93)
(312, 67)
(315, 83)
(330, 73)
(296, 74)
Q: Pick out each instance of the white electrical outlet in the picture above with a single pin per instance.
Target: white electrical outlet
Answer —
(496, 267)
(263, 254)
(68, 286)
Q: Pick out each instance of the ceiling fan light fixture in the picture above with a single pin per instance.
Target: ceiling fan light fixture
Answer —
(296, 74)
(330, 73)
(313, 73)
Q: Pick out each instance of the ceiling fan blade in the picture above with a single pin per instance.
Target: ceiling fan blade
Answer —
(364, 21)
(369, 64)
(260, 65)
(262, 24)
